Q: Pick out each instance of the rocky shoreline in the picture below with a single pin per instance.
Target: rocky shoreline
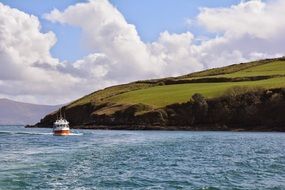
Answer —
(171, 128)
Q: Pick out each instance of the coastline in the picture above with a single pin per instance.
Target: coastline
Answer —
(260, 110)
(168, 128)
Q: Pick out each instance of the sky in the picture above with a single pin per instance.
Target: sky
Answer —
(148, 17)
(52, 52)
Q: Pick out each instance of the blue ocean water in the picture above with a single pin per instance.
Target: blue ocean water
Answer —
(90, 159)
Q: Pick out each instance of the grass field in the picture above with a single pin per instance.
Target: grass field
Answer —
(275, 68)
(270, 69)
(101, 95)
(158, 95)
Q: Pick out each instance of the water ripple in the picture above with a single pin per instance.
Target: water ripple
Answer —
(34, 159)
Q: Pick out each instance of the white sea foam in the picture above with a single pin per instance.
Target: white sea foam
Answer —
(34, 133)
(23, 133)
(75, 134)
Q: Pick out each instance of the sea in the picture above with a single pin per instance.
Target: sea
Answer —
(107, 159)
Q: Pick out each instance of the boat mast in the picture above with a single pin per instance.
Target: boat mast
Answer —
(60, 116)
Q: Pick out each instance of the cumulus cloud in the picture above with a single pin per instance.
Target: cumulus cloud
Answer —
(254, 18)
(246, 31)
(239, 39)
(27, 68)
(175, 53)
(18, 35)
(107, 32)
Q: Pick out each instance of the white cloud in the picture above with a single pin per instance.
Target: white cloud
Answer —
(27, 68)
(107, 32)
(18, 35)
(247, 31)
(254, 18)
(175, 53)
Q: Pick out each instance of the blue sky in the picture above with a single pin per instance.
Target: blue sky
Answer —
(151, 17)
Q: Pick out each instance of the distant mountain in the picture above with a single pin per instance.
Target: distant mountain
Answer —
(19, 113)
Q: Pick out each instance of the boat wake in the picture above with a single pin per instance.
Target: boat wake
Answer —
(75, 134)
(33, 133)
(23, 133)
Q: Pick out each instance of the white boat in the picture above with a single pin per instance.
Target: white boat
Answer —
(61, 127)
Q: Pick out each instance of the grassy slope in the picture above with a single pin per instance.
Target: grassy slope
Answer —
(159, 96)
(275, 68)
(269, 69)
(102, 95)
(230, 69)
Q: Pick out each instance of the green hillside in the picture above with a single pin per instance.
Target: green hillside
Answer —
(274, 68)
(161, 96)
(211, 83)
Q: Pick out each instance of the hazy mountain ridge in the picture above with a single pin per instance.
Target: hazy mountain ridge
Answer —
(20, 113)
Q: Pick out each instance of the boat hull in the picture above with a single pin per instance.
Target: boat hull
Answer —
(61, 132)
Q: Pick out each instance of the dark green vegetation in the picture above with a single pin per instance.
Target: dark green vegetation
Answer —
(246, 96)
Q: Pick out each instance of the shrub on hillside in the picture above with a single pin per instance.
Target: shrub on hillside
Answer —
(238, 90)
(200, 106)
